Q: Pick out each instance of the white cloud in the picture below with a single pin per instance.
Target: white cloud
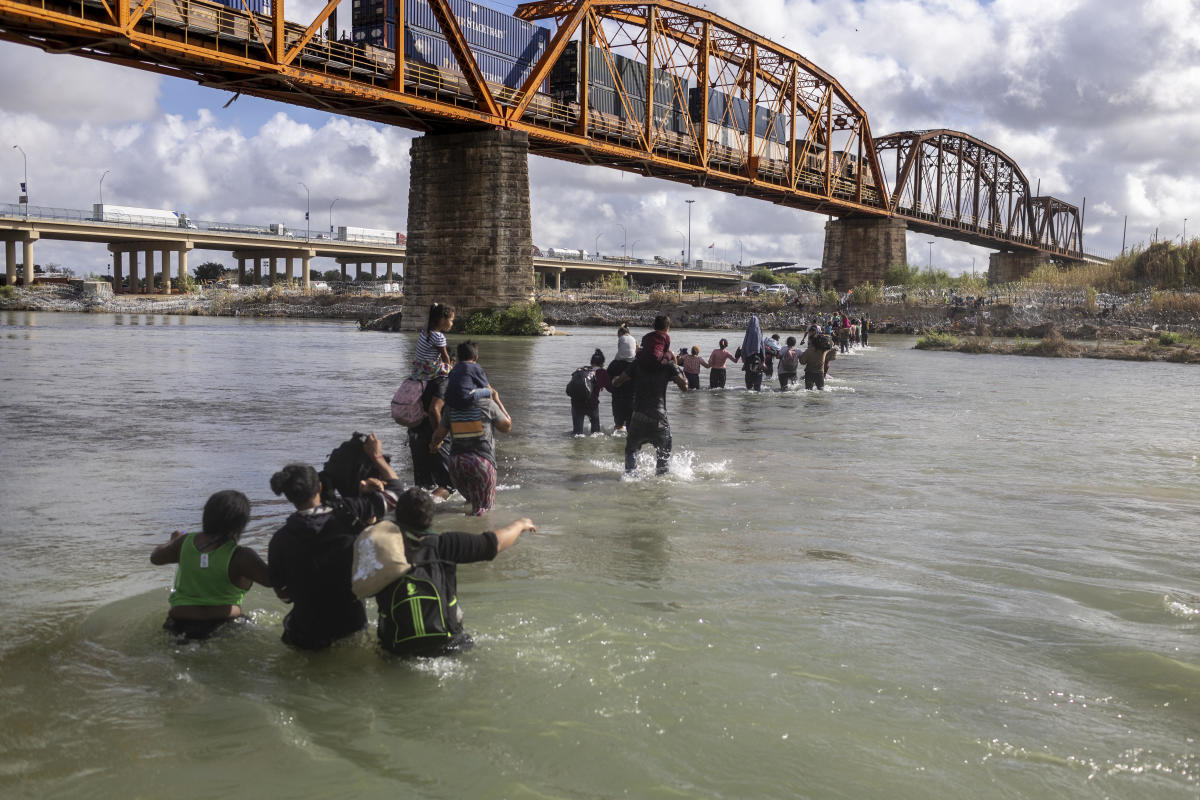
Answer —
(1094, 98)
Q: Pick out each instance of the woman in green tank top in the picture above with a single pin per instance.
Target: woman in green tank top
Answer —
(214, 572)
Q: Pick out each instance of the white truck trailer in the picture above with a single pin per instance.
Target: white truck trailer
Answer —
(131, 215)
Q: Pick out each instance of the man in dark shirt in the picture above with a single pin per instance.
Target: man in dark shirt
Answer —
(443, 552)
(649, 423)
(431, 471)
(310, 556)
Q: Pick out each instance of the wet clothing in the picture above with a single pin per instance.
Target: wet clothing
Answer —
(195, 628)
(472, 430)
(449, 549)
(202, 579)
(475, 478)
(753, 354)
(622, 396)
(430, 470)
(813, 361)
(310, 559)
(716, 378)
(582, 410)
(649, 424)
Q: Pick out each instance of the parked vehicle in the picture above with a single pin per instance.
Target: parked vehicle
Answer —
(778, 288)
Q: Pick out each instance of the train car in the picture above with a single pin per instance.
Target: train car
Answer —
(603, 78)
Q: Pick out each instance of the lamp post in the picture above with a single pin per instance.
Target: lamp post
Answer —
(24, 197)
(682, 243)
(689, 247)
(633, 251)
(741, 253)
(331, 216)
(102, 186)
(624, 243)
(1183, 239)
(596, 249)
(931, 255)
(307, 209)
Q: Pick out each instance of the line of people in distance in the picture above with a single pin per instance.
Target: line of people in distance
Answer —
(356, 533)
(638, 375)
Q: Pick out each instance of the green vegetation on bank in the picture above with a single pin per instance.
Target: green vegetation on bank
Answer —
(1162, 265)
(522, 319)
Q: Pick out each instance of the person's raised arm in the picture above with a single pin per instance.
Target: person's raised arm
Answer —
(374, 450)
(507, 535)
(168, 552)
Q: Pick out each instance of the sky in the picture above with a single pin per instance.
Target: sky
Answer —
(1092, 98)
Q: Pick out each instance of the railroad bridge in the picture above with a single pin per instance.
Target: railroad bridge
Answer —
(657, 88)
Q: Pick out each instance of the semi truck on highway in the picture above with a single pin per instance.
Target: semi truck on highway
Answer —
(130, 215)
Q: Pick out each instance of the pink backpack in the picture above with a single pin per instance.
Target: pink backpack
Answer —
(406, 403)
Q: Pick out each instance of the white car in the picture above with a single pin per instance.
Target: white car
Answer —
(778, 288)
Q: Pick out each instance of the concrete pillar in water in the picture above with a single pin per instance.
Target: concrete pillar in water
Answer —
(1006, 267)
(274, 267)
(289, 268)
(305, 273)
(241, 271)
(558, 279)
(29, 239)
(257, 271)
(469, 240)
(10, 262)
(860, 250)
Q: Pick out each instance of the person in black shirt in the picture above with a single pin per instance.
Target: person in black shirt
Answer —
(431, 470)
(649, 423)
(310, 556)
(414, 516)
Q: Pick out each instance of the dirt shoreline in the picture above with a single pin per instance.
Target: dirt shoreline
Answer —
(1125, 318)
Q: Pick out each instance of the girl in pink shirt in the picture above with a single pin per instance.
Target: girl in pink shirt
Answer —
(691, 363)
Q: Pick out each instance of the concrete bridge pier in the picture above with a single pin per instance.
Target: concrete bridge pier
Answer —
(469, 237)
(860, 250)
(10, 262)
(150, 283)
(30, 238)
(305, 269)
(274, 266)
(241, 262)
(391, 274)
(257, 271)
(1006, 267)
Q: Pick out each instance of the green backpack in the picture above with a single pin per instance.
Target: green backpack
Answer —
(418, 613)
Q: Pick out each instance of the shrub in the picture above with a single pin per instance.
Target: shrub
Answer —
(936, 340)
(613, 282)
(867, 294)
(1167, 338)
(7, 292)
(522, 319)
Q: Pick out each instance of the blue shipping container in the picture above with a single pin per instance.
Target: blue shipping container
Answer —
(484, 29)
(254, 6)
(734, 112)
(434, 51)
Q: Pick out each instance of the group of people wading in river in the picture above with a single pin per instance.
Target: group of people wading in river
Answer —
(358, 533)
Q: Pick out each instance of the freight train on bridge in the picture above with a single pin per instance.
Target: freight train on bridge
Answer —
(660, 88)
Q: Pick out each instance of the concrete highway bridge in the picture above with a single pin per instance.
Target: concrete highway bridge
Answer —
(140, 249)
(657, 88)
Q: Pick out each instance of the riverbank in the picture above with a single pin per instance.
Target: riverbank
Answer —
(1025, 312)
(1169, 347)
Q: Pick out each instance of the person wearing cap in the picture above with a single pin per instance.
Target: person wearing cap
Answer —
(622, 396)
(716, 364)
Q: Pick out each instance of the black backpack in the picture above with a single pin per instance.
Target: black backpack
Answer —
(345, 467)
(582, 384)
(418, 613)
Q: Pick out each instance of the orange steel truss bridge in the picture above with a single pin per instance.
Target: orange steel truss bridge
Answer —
(817, 152)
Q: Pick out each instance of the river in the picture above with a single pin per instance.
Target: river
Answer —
(948, 576)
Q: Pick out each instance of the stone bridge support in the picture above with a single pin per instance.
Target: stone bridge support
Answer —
(1006, 267)
(860, 250)
(469, 237)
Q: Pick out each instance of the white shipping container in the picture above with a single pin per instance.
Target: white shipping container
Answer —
(131, 215)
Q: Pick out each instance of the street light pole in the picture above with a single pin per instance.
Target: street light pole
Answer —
(331, 216)
(689, 247)
(24, 198)
(102, 186)
(682, 243)
(1183, 239)
(307, 210)
(624, 243)
(931, 255)
(596, 254)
